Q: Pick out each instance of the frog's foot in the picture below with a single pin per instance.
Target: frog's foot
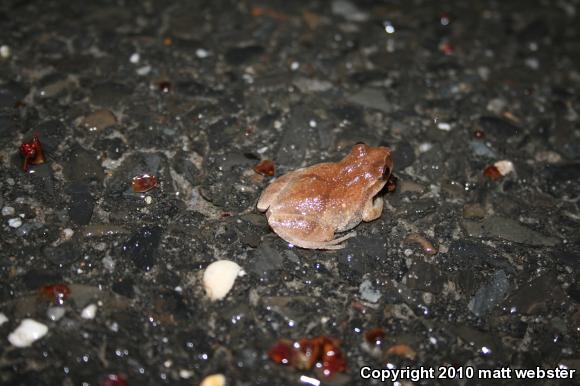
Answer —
(373, 209)
(330, 245)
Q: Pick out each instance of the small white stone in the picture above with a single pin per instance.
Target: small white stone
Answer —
(312, 123)
(219, 278)
(214, 380)
(504, 167)
(27, 333)
(5, 51)
(148, 200)
(533, 63)
(201, 53)
(425, 147)
(8, 211)
(67, 233)
(185, 374)
(108, 263)
(3, 318)
(55, 313)
(294, 66)
(135, 58)
(444, 126)
(15, 222)
(142, 71)
(89, 311)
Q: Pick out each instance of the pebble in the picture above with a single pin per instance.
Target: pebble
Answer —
(219, 278)
(5, 51)
(444, 126)
(27, 333)
(99, 120)
(3, 318)
(108, 263)
(15, 222)
(349, 11)
(504, 167)
(8, 211)
(142, 71)
(507, 229)
(214, 380)
(489, 295)
(481, 149)
(201, 53)
(135, 58)
(368, 292)
(425, 147)
(89, 311)
(55, 313)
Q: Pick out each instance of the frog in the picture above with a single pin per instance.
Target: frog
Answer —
(307, 206)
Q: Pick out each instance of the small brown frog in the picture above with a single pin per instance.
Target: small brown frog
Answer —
(307, 206)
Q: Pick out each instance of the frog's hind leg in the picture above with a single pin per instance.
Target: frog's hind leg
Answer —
(306, 233)
(273, 190)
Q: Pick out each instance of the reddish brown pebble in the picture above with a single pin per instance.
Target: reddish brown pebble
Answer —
(332, 359)
(164, 87)
(114, 380)
(478, 134)
(425, 244)
(307, 354)
(281, 353)
(265, 168)
(143, 183)
(492, 173)
(32, 153)
(402, 350)
(375, 336)
(320, 352)
(447, 48)
(56, 293)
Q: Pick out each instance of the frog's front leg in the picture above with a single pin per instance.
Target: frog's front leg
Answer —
(306, 233)
(373, 209)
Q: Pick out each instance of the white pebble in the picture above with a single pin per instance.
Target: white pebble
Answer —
(135, 58)
(312, 123)
(186, 374)
(294, 66)
(219, 278)
(27, 333)
(148, 200)
(8, 211)
(214, 380)
(89, 311)
(3, 318)
(67, 233)
(108, 263)
(15, 222)
(444, 126)
(201, 53)
(142, 71)
(55, 313)
(504, 167)
(5, 51)
(425, 147)
(533, 63)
